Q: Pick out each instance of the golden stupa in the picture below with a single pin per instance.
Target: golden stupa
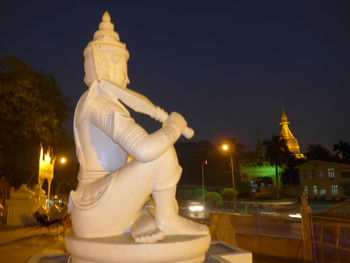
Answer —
(287, 135)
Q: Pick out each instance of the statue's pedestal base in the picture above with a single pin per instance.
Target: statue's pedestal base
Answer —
(123, 249)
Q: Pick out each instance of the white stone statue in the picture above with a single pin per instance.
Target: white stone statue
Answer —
(112, 191)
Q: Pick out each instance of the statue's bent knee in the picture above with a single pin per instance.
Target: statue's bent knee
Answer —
(168, 171)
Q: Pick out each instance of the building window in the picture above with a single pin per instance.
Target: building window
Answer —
(321, 173)
(335, 189)
(314, 189)
(306, 189)
(331, 173)
(323, 192)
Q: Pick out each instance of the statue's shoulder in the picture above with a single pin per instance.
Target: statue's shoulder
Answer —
(81, 106)
(96, 105)
(100, 102)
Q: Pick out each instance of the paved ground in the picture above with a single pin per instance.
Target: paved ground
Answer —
(18, 245)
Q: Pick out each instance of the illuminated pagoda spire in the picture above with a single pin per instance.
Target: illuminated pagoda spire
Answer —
(287, 135)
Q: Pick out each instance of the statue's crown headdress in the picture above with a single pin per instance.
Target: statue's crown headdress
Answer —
(106, 38)
(106, 52)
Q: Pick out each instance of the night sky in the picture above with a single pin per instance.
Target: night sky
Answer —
(227, 66)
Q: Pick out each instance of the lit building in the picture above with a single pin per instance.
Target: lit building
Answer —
(265, 173)
(260, 173)
(46, 170)
(287, 135)
(321, 179)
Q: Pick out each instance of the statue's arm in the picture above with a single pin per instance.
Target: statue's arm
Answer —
(147, 147)
(122, 129)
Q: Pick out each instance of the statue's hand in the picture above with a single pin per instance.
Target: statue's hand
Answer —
(177, 122)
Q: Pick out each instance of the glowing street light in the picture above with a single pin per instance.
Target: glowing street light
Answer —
(225, 147)
(63, 160)
(229, 149)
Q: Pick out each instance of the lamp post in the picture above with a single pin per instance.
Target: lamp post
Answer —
(227, 148)
(203, 194)
(61, 171)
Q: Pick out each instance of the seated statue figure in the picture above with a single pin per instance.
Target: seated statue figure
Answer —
(121, 165)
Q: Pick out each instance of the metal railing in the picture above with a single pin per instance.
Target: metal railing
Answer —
(282, 221)
(331, 234)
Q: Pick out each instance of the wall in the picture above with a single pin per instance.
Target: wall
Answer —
(315, 173)
(223, 229)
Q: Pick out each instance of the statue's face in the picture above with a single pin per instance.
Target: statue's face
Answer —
(106, 64)
(118, 70)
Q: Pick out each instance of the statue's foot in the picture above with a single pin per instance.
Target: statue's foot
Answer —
(151, 236)
(178, 225)
(145, 230)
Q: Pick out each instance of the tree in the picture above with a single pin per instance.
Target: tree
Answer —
(33, 111)
(318, 152)
(277, 154)
(342, 150)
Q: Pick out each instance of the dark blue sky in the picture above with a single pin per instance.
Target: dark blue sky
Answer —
(227, 66)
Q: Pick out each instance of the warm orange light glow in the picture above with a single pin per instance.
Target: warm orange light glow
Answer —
(63, 160)
(225, 147)
(46, 165)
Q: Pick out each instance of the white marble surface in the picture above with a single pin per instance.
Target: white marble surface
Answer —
(110, 216)
(218, 252)
(122, 249)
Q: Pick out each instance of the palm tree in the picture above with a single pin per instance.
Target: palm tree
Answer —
(342, 150)
(277, 154)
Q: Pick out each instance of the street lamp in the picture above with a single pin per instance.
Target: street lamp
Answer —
(229, 149)
(204, 163)
(225, 147)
